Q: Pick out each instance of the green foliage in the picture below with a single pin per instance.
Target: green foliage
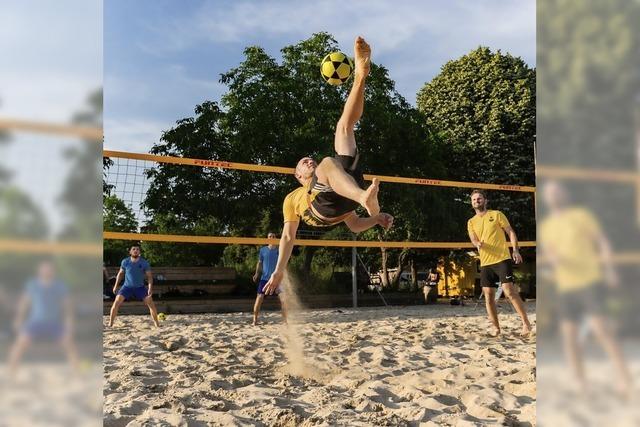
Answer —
(484, 106)
(20, 217)
(275, 113)
(78, 199)
(182, 254)
(589, 112)
(117, 216)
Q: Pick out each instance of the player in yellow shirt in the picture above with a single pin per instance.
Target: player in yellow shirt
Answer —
(487, 233)
(580, 255)
(333, 189)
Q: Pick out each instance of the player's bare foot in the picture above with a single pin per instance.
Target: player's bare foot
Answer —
(493, 332)
(362, 52)
(370, 198)
(526, 332)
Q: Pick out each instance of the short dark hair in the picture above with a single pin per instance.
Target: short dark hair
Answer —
(135, 245)
(478, 191)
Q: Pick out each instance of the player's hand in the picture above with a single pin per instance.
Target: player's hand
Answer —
(255, 278)
(517, 258)
(273, 283)
(115, 289)
(385, 220)
(479, 246)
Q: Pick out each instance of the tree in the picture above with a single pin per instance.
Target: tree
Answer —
(484, 106)
(274, 114)
(117, 216)
(78, 199)
(20, 219)
(589, 114)
(106, 187)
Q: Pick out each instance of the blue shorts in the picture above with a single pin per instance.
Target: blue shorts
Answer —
(46, 331)
(129, 292)
(261, 284)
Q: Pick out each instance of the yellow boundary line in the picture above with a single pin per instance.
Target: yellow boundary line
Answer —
(111, 235)
(276, 169)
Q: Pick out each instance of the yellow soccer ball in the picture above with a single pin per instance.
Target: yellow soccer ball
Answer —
(161, 316)
(336, 68)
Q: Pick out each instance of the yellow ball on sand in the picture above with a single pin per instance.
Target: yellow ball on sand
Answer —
(161, 316)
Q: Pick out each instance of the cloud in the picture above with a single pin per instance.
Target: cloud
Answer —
(390, 25)
(413, 39)
(135, 135)
(51, 58)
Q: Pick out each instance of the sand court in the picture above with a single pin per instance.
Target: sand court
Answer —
(422, 365)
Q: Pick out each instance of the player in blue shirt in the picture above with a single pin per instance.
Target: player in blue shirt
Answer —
(267, 260)
(45, 313)
(134, 269)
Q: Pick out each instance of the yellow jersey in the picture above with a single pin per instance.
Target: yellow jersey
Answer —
(297, 205)
(489, 229)
(571, 238)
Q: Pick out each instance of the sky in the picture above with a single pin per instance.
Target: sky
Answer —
(51, 62)
(163, 57)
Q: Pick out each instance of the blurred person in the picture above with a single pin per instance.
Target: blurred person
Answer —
(134, 268)
(580, 256)
(44, 313)
(487, 233)
(430, 288)
(267, 260)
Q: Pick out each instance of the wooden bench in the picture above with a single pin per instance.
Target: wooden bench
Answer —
(177, 281)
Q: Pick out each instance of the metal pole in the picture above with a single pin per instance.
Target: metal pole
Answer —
(354, 276)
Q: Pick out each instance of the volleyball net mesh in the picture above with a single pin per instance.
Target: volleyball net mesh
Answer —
(198, 212)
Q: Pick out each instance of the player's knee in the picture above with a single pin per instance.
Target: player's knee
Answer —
(344, 128)
(510, 292)
(328, 162)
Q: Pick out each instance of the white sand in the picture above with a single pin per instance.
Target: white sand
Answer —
(51, 394)
(423, 365)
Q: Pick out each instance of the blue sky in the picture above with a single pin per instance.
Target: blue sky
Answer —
(162, 57)
(51, 61)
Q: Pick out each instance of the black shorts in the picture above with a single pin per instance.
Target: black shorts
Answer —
(574, 306)
(330, 204)
(499, 272)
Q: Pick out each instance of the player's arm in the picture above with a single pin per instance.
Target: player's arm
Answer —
(68, 315)
(284, 253)
(606, 258)
(149, 276)
(118, 280)
(517, 258)
(256, 275)
(358, 224)
(23, 306)
(474, 239)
